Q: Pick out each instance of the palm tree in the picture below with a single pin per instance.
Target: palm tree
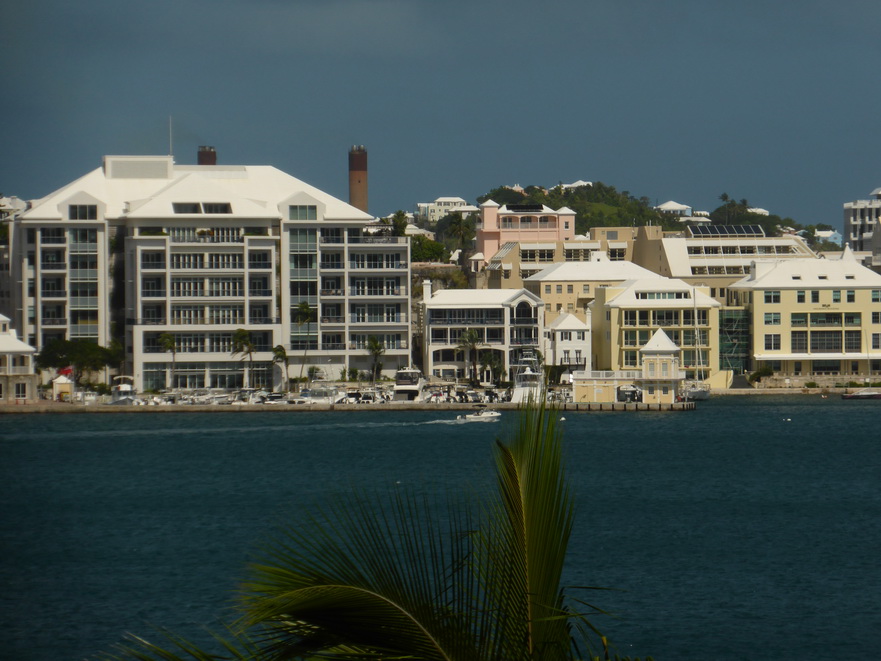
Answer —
(280, 357)
(469, 343)
(169, 345)
(243, 345)
(375, 348)
(400, 578)
(303, 315)
(461, 229)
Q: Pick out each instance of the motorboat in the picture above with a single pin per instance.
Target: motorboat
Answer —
(481, 414)
(865, 393)
(527, 376)
(409, 385)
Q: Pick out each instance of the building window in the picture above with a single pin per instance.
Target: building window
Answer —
(21, 391)
(876, 340)
(876, 317)
(302, 212)
(547, 289)
(798, 341)
(772, 319)
(186, 207)
(559, 289)
(82, 212)
(772, 342)
(570, 289)
(585, 289)
(851, 296)
(815, 296)
(876, 296)
(852, 342)
(836, 296)
(799, 297)
(772, 296)
(217, 207)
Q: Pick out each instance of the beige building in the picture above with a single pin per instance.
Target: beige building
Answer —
(657, 382)
(515, 262)
(814, 320)
(568, 287)
(716, 256)
(626, 316)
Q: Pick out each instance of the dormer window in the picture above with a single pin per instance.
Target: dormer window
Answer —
(82, 212)
(302, 212)
(796, 277)
(217, 207)
(187, 207)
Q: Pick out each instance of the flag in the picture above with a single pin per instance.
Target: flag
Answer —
(64, 371)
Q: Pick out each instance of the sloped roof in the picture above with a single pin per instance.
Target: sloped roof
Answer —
(567, 321)
(252, 190)
(453, 298)
(599, 270)
(845, 272)
(660, 342)
(627, 298)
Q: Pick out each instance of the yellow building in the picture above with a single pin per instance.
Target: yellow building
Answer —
(657, 382)
(625, 317)
(814, 320)
(568, 287)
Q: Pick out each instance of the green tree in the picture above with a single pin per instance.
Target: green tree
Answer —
(423, 249)
(280, 358)
(469, 344)
(81, 355)
(399, 223)
(169, 345)
(243, 345)
(399, 578)
(376, 350)
(303, 315)
(461, 230)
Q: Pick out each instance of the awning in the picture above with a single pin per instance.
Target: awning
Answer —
(538, 246)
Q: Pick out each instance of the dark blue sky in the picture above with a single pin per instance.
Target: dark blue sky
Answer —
(775, 101)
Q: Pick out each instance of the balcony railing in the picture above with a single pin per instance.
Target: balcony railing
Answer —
(395, 319)
(54, 293)
(332, 292)
(153, 293)
(356, 266)
(333, 320)
(524, 321)
(524, 341)
(331, 266)
(259, 266)
(466, 322)
(333, 346)
(381, 240)
(54, 321)
(53, 266)
(355, 291)
(259, 292)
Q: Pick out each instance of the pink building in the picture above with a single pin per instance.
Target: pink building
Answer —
(521, 223)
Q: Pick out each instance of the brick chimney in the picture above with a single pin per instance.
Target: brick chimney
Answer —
(207, 156)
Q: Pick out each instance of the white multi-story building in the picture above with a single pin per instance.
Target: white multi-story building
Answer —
(142, 248)
(861, 220)
(431, 212)
(506, 320)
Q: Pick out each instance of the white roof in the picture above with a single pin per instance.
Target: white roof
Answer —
(567, 322)
(845, 273)
(627, 298)
(9, 342)
(461, 298)
(578, 184)
(593, 271)
(254, 191)
(670, 205)
(660, 342)
(450, 199)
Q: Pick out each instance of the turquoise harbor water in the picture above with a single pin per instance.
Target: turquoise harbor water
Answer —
(748, 529)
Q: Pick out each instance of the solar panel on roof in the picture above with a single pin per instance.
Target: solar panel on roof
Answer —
(727, 230)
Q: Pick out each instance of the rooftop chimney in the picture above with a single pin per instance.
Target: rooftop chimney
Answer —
(207, 156)
(358, 177)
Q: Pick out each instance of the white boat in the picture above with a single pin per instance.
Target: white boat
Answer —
(409, 385)
(482, 414)
(528, 377)
(694, 391)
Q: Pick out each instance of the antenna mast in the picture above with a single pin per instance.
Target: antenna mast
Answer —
(170, 138)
